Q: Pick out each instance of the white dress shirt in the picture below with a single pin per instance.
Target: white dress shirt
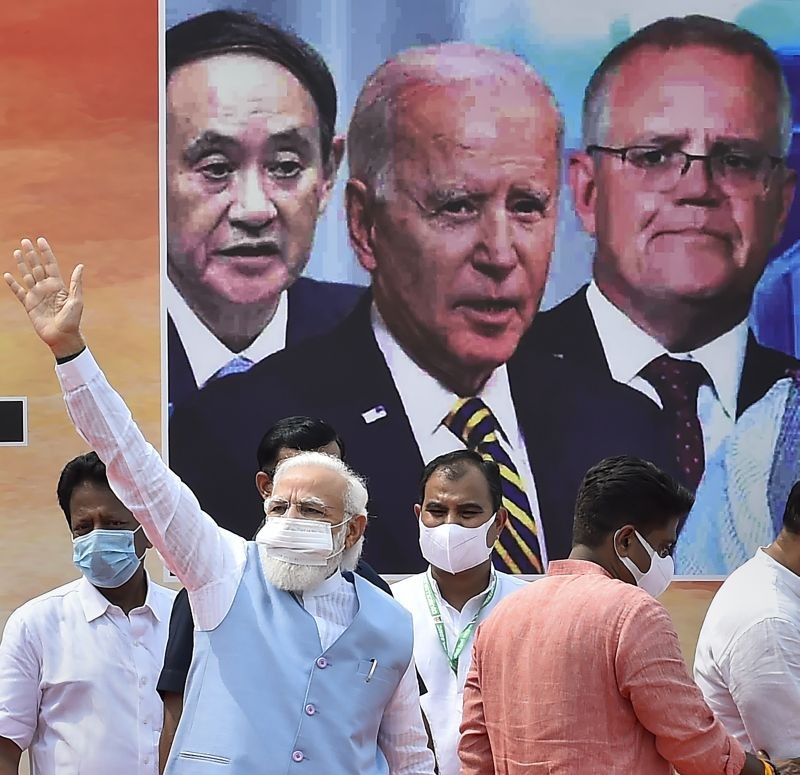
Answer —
(748, 656)
(208, 560)
(628, 349)
(78, 681)
(427, 403)
(205, 353)
(444, 701)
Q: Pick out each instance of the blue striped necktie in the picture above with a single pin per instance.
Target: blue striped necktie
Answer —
(235, 365)
(518, 548)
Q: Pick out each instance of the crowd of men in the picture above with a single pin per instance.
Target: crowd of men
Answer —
(519, 446)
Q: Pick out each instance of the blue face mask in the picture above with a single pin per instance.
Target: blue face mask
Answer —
(107, 558)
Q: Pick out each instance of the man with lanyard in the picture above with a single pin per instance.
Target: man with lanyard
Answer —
(460, 518)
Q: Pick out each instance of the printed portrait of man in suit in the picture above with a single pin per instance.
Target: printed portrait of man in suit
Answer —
(251, 161)
(684, 185)
(451, 207)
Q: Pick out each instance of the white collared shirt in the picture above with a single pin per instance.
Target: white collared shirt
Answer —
(209, 560)
(427, 403)
(748, 656)
(205, 353)
(444, 701)
(78, 681)
(334, 605)
(628, 349)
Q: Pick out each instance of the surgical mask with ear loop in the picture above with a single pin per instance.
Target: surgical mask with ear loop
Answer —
(658, 576)
(107, 558)
(300, 541)
(454, 548)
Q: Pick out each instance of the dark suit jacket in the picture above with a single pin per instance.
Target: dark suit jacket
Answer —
(315, 307)
(569, 331)
(341, 376)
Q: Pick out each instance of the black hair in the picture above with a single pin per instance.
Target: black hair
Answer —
(455, 464)
(791, 515)
(622, 491)
(84, 468)
(303, 433)
(226, 32)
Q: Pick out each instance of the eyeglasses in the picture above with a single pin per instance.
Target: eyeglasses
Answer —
(309, 508)
(736, 172)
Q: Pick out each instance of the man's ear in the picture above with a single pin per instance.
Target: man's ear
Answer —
(582, 180)
(144, 539)
(331, 169)
(355, 529)
(501, 520)
(623, 539)
(264, 484)
(417, 509)
(360, 209)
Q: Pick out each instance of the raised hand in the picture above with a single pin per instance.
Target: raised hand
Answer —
(54, 311)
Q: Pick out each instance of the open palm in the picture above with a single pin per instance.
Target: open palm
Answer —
(54, 310)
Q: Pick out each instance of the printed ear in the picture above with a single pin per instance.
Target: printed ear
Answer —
(582, 181)
(359, 208)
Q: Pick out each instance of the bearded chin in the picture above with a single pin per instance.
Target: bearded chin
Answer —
(297, 578)
(292, 577)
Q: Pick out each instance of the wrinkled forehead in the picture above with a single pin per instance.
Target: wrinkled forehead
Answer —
(692, 91)
(297, 482)
(234, 86)
(473, 129)
(493, 107)
(89, 497)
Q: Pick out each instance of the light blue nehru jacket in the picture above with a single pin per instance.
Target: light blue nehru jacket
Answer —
(263, 698)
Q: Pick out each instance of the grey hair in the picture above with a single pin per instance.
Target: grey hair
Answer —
(356, 495)
(679, 32)
(370, 135)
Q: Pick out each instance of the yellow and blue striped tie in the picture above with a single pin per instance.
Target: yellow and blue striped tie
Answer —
(518, 548)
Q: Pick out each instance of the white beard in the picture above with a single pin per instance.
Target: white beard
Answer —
(292, 577)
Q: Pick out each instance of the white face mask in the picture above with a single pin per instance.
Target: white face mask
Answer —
(658, 576)
(299, 541)
(455, 548)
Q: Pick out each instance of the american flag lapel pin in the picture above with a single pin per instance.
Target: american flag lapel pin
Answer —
(374, 414)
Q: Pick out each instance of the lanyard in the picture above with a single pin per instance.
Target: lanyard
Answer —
(466, 633)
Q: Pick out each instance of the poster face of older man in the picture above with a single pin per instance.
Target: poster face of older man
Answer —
(685, 186)
(251, 160)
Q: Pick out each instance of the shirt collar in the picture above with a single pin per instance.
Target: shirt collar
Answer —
(475, 598)
(205, 353)
(787, 577)
(628, 349)
(427, 402)
(95, 604)
(329, 586)
(576, 568)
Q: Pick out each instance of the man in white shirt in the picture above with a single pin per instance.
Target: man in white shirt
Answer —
(460, 519)
(684, 185)
(274, 618)
(79, 665)
(451, 207)
(747, 662)
(251, 159)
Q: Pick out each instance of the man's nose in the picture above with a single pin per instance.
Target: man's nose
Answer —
(697, 183)
(495, 252)
(252, 206)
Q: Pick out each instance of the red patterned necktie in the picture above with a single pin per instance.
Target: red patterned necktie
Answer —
(677, 383)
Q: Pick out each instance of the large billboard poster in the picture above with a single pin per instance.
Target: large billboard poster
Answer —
(447, 224)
